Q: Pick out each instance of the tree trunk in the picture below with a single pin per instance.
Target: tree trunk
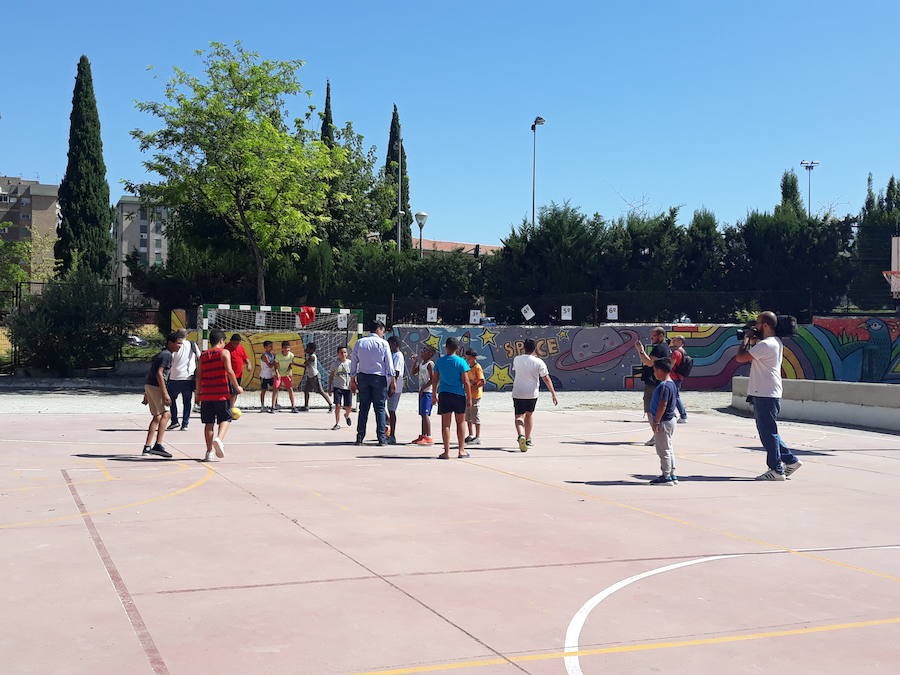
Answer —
(260, 276)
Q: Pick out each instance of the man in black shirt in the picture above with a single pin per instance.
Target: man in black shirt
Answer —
(156, 395)
(658, 350)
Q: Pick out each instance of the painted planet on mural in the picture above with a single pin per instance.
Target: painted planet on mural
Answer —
(597, 349)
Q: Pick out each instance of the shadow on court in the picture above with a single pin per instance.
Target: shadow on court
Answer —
(136, 458)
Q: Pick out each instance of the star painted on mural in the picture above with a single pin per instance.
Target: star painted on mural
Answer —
(433, 341)
(487, 337)
(500, 376)
(563, 334)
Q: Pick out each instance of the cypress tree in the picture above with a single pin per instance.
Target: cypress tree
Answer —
(396, 156)
(327, 120)
(84, 192)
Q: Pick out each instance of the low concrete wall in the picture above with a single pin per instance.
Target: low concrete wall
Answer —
(854, 403)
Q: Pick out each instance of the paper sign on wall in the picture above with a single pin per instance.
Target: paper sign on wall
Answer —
(342, 321)
(475, 316)
(527, 312)
(260, 320)
(431, 315)
(382, 318)
(612, 312)
(566, 312)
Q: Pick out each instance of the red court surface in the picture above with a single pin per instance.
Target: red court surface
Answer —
(301, 553)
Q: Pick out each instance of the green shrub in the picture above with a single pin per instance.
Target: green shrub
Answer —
(77, 322)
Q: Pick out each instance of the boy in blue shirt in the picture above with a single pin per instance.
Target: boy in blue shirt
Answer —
(662, 420)
(453, 395)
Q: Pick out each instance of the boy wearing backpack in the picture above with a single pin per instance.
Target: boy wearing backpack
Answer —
(682, 364)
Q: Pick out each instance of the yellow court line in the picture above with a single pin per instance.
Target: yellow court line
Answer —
(181, 468)
(629, 648)
(209, 474)
(101, 465)
(688, 523)
(324, 498)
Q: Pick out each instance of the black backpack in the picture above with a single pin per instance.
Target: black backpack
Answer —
(686, 366)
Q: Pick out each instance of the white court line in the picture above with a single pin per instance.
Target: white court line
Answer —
(260, 467)
(573, 632)
(27, 469)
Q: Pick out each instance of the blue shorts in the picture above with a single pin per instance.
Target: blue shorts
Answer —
(425, 403)
(343, 397)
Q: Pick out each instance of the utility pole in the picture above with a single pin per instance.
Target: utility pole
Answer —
(538, 121)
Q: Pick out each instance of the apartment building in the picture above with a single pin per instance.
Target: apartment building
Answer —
(139, 227)
(27, 207)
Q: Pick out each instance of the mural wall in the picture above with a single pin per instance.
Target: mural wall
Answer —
(857, 349)
(604, 357)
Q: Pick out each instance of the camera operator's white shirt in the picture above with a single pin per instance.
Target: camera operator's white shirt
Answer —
(765, 369)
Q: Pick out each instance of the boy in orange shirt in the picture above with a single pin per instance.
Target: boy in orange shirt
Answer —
(476, 386)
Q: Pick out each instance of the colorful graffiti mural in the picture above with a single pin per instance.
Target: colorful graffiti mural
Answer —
(604, 358)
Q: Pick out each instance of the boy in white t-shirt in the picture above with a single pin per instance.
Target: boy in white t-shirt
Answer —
(339, 385)
(393, 400)
(267, 367)
(529, 370)
(425, 371)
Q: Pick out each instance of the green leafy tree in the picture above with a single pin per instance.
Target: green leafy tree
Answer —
(77, 322)
(879, 220)
(790, 192)
(226, 144)
(84, 192)
(395, 168)
(14, 257)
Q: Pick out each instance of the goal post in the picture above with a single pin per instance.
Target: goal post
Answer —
(330, 328)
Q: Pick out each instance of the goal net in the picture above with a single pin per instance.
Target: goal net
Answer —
(328, 328)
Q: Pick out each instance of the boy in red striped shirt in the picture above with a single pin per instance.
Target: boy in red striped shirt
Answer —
(214, 375)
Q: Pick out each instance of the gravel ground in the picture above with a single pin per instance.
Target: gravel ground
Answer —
(92, 401)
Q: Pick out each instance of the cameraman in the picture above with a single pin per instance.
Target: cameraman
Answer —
(763, 351)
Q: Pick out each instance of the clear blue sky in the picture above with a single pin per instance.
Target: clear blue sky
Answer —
(663, 103)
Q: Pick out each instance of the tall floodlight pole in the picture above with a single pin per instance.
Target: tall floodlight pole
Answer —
(399, 191)
(809, 166)
(538, 121)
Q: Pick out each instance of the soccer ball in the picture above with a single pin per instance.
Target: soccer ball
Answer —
(235, 413)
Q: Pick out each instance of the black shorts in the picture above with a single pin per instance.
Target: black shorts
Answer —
(524, 405)
(451, 403)
(215, 412)
(266, 383)
(343, 397)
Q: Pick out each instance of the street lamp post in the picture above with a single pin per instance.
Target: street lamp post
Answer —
(538, 121)
(421, 217)
(809, 166)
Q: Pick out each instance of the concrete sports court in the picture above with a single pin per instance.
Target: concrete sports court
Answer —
(301, 553)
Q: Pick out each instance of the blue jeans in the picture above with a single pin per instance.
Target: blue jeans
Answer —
(372, 392)
(185, 388)
(765, 411)
(682, 413)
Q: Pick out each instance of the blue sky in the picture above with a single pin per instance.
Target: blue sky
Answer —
(689, 104)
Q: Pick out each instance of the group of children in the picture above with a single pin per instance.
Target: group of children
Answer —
(453, 383)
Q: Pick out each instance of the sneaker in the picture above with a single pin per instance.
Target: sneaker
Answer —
(662, 480)
(468, 439)
(529, 443)
(302, 408)
(523, 444)
(770, 475)
(475, 440)
(330, 407)
(416, 440)
(391, 440)
(789, 469)
(425, 440)
(674, 479)
(358, 441)
(336, 427)
(146, 450)
(210, 457)
(380, 443)
(184, 427)
(159, 451)
(348, 421)
(271, 411)
(652, 441)
(173, 425)
(293, 410)
(682, 420)
(262, 409)
(219, 446)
